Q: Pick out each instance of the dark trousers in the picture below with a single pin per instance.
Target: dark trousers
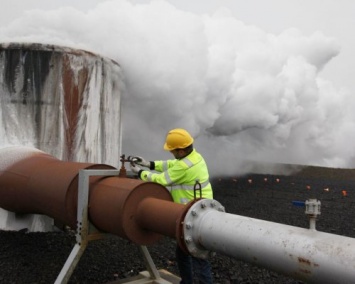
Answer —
(190, 266)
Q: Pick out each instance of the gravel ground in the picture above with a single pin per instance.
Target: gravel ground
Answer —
(39, 257)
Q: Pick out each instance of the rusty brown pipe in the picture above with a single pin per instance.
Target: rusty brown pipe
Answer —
(114, 203)
(34, 182)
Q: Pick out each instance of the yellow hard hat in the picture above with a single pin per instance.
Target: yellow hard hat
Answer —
(177, 138)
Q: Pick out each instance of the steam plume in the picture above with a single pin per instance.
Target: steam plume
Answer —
(244, 94)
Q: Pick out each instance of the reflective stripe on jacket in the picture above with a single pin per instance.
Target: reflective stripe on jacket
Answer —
(180, 175)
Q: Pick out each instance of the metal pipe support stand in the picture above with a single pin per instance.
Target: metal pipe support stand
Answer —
(87, 232)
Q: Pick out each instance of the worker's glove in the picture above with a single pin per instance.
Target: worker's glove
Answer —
(135, 168)
(140, 161)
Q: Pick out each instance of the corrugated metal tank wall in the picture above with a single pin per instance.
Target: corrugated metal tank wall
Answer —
(63, 101)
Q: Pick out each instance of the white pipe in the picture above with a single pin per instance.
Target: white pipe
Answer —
(303, 254)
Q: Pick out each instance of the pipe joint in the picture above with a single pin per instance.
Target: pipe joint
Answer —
(196, 214)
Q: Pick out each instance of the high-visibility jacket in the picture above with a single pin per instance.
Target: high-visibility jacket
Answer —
(179, 176)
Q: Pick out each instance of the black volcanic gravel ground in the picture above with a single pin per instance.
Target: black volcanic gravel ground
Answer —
(39, 257)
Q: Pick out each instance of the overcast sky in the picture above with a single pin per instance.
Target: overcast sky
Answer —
(266, 80)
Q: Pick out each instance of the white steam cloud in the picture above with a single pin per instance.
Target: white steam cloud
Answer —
(244, 94)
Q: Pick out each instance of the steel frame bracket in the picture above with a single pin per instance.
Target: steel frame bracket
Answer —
(87, 232)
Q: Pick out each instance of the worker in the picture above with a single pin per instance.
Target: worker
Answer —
(179, 176)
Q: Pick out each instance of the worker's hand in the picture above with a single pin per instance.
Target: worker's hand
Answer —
(135, 168)
(140, 161)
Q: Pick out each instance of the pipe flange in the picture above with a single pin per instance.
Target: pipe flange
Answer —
(313, 207)
(194, 216)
